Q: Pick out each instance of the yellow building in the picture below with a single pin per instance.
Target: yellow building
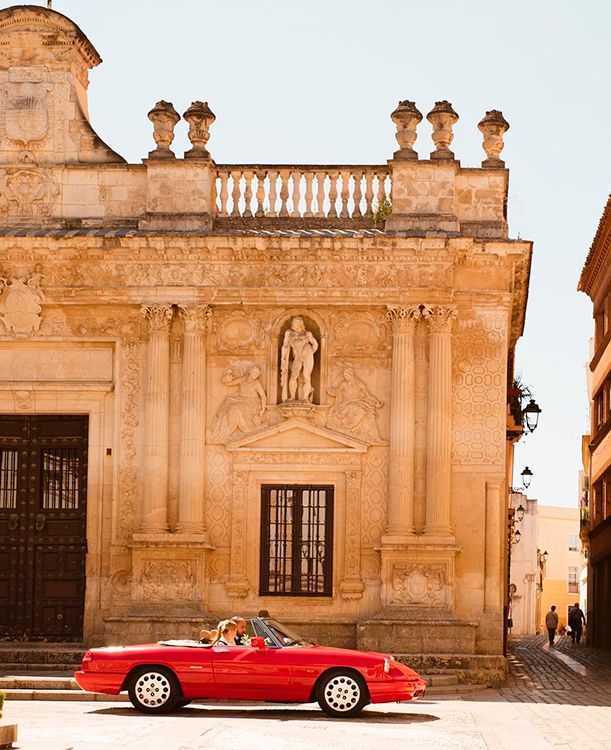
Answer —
(559, 536)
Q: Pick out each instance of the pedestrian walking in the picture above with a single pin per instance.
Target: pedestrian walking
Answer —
(577, 620)
(551, 623)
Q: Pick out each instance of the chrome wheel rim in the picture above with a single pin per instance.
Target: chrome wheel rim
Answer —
(153, 689)
(342, 693)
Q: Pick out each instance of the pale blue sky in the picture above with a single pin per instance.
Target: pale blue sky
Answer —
(293, 81)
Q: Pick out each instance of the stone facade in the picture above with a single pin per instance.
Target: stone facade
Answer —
(231, 327)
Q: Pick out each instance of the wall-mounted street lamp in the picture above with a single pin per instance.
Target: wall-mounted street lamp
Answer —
(520, 513)
(527, 476)
(530, 415)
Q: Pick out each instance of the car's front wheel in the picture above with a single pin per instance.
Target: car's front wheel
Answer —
(153, 690)
(341, 693)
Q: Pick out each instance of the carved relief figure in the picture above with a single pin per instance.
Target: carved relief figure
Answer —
(20, 304)
(355, 408)
(242, 411)
(297, 362)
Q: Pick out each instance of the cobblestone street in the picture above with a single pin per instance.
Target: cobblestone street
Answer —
(554, 698)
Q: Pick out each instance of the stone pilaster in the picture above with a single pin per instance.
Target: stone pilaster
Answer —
(439, 432)
(191, 508)
(237, 586)
(400, 516)
(352, 586)
(156, 417)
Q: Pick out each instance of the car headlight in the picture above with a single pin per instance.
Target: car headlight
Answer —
(386, 666)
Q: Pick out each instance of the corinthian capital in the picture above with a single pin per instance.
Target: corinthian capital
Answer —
(440, 319)
(159, 317)
(403, 318)
(195, 317)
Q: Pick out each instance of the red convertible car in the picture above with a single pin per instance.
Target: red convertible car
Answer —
(277, 665)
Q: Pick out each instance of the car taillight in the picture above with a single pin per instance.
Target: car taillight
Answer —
(87, 660)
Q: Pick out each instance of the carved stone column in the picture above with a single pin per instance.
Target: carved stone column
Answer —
(438, 470)
(191, 509)
(156, 416)
(400, 515)
(352, 586)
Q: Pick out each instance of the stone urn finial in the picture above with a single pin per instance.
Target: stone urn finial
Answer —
(406, 117)
(200, 117)
(442, 117)
(493, 126)
(164, 118)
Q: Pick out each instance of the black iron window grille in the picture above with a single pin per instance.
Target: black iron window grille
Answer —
(296, 540)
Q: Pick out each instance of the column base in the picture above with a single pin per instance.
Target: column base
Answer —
(169, 573)
(352, 588)
(418, 578)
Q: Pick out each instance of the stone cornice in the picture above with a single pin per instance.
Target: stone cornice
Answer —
(598, 257)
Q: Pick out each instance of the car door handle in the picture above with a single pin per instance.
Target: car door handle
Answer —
(221, 650)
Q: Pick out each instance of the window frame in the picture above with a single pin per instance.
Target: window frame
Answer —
(264, 546)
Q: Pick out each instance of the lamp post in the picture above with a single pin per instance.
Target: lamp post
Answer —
(541, 560)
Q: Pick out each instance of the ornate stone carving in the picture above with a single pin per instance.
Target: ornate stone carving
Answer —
(478, 416)
(493, 126)
(418, 584)
(406, 117)
(20, 304)
(23, 400)
(25, 108)
(238, 586)
(172, 580)
(200, 117)
(352, 586)
(440, 319)
(195, 317)
(218, 497)
(297, 362)
(355, 409)
(442, 117)
(373, 509)
(361, 333)
(164, 118)
(403, 318)
(159, 317)
(121, 583)
(27, 192)
(243, 411)
(238, 331)
(128, 330)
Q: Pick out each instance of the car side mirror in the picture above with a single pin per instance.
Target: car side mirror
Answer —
(258, 643)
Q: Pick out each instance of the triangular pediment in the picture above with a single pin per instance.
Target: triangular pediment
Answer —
(297, 435)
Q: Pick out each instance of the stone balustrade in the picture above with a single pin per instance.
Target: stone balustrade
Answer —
(299, 191)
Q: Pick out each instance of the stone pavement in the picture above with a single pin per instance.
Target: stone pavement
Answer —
(558, 698)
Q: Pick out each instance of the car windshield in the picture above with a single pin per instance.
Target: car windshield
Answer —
(286, 636)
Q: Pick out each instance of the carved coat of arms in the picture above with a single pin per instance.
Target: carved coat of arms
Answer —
(20, 304)
(25, 115)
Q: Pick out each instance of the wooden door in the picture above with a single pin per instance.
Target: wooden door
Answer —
(43, 500)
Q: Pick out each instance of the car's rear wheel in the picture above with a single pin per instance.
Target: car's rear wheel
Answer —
(342, 693)
(154, 690)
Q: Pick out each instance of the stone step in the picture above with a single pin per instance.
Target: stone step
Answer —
(19, 694)
(38, 682)
(435, 680)
(17, 668)
(37, 653)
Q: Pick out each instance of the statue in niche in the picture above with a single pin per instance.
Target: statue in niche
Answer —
(355, 408)
(243, 411)
(297, 362)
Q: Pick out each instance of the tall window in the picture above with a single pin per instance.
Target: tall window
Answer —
(573, 542)
(296, 540)
(573, 579)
